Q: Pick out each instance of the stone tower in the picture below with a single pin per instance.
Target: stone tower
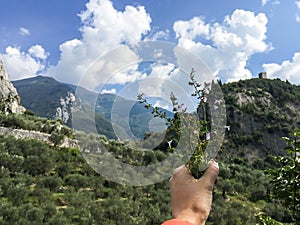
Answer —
(9, 98)
(262, 75)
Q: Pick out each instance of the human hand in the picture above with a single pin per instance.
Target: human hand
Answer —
(192, 198)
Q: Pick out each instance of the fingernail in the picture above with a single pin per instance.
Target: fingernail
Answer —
(212, 161)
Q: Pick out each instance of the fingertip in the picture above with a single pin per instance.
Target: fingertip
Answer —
(213, 165)
(212, 171)
(178, 169)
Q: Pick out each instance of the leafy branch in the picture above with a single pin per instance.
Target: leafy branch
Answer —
(286, 179)
(183, 117)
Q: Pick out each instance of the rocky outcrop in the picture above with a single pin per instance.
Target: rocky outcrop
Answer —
(9, 98)
(64, 111)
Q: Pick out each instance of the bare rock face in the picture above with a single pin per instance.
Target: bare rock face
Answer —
(67, 106)
(9, 98)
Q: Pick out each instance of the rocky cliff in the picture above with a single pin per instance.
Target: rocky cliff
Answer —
(9, 98)
(259, 113)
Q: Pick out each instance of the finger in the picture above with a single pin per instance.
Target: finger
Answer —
(211, 173)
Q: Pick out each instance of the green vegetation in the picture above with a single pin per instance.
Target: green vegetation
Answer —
(183, 124)
(259, 113)
(30, 122)
(286, 179)
(43, 184)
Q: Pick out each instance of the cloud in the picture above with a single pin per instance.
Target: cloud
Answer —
(264, 2)
(156, 83)
(38, 52)
(117, 67)
(297, 2)
(111, 91)
(289, 70)
(163, 104)
(274, 2)
(127, 75)
(191, 29)
(24, 31)
(226, 47)
(159, 35)
(21, 64)
(103, 29)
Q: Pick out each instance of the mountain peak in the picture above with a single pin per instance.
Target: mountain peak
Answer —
(9, 98)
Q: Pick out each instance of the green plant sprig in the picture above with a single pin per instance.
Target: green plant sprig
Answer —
(203, 134)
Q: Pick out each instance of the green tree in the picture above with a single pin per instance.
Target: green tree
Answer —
(286, 179)
(267, 220)
(57, 138)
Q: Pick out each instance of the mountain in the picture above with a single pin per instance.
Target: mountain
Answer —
(41, 94)
(49, 98)
(57, 184)
(9, 98)
(259, 112)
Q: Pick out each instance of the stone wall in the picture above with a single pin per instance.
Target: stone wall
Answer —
(30, 134)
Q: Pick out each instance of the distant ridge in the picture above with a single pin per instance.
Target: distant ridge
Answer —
(41, 94)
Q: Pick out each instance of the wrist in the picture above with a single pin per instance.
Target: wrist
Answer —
(191, 217)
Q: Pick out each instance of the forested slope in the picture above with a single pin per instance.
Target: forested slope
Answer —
(45, 184)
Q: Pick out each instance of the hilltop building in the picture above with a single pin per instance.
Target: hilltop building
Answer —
(262, 75)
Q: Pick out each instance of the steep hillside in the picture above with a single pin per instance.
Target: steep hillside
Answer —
(260, 112)
(49, 98)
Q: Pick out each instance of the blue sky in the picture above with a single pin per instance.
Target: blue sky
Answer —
(237, 39)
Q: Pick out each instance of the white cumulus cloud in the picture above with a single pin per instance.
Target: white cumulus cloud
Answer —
(229, 45)
(20, 64)
(38, 52)
(192, 28)
(289, 70)
(103, 29)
